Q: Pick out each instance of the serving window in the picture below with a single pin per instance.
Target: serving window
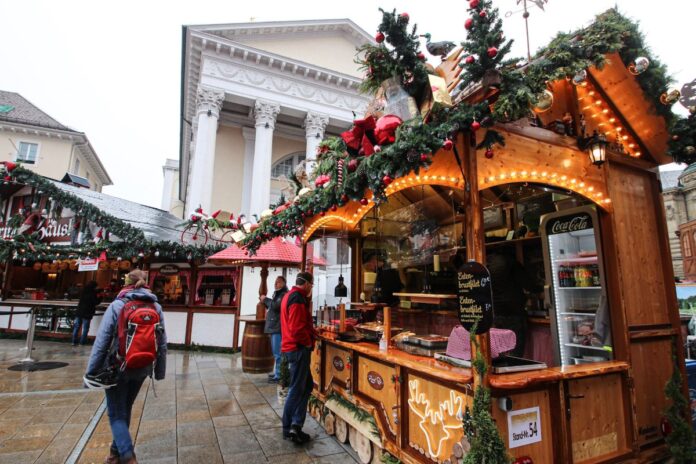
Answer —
(172, 286)
(217, 287)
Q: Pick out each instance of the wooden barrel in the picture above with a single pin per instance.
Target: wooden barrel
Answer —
(257, 357)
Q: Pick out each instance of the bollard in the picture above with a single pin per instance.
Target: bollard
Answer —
(30, 338)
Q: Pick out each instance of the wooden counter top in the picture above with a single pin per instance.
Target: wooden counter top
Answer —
(526, 379)
(510, 381)
(423, 364)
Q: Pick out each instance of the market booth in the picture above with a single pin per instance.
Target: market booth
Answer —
(580, 323)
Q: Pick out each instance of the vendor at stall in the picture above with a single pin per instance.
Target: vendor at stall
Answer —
(387, 280)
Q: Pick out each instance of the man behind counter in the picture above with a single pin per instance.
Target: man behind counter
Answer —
(387, 281)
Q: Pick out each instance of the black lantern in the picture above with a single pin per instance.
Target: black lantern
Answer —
(340, 291)
(596, 147)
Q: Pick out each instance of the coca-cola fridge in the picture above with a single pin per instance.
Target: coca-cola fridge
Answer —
(575, 291)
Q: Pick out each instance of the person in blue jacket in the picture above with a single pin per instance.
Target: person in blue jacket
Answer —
(122, 389)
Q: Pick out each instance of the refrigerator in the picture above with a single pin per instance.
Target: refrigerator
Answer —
(575, 290)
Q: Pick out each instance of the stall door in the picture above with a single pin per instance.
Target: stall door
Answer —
(596, 409)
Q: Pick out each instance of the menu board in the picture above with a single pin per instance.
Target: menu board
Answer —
(475, 296)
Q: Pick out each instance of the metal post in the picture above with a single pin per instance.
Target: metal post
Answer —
(30, 338)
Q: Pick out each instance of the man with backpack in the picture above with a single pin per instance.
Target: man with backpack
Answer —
(297, 328)
(131, 343)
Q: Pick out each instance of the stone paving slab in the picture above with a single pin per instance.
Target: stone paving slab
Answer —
(206, 411)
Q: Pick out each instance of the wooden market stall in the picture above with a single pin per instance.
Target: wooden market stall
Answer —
(600, 322)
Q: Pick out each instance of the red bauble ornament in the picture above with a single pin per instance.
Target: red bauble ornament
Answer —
(474, 3)
(468, 24)
(363, 201)
(352, 165)
(334, 208)
(483, 14)
(404, 17)
(492, 52)
(470, 59)
(199, 210)
(475, 126)
(424, 157)
(323, 213)
(489, 153)
(379, 38)
(421, 56)
(10, 166)
(447, 145)
(8, 178)
(386, 180)
(344, 198)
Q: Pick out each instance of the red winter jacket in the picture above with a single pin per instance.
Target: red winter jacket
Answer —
(296, 325)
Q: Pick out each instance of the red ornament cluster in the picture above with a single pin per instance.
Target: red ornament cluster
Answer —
(379, 37)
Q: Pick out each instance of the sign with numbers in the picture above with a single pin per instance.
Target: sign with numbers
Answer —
(524, 427)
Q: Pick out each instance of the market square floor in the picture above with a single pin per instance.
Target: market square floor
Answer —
(206, 411)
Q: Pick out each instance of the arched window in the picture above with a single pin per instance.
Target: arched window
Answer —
(286, 165)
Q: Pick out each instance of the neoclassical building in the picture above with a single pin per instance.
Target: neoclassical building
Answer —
(256, 99)
(679, 196)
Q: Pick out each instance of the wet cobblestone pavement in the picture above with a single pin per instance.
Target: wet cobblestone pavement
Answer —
(206, 411)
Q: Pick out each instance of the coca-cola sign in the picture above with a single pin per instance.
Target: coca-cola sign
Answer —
(565, 224)
(338, 363)
(375, 380)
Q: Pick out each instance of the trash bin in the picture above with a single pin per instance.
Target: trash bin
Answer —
(691, 379)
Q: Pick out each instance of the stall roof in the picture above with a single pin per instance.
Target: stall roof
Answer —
(156, 224)
(278, 251)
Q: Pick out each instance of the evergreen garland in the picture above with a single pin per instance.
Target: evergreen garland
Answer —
(486, 443)
(360, 414)
(680, 439)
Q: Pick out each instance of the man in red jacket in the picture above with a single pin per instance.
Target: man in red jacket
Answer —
(297, 329)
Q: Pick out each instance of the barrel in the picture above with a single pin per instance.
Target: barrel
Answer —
(257, 357)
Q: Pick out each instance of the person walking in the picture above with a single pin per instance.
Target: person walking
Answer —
(108, 356)
(272, 325)
(85, 312)
(297, 331)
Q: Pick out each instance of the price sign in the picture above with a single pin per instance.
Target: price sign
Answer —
(475, 296)
(524, 427)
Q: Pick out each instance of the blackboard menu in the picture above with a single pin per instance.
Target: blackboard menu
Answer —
(475, 296)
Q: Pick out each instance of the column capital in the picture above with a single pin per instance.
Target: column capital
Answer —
(265, 113)
(209, 101)
(315, 124)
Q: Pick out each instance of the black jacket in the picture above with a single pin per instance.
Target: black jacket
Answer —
(88, 304)
(273, 314)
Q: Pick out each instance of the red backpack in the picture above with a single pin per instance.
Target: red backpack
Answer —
(138, 327)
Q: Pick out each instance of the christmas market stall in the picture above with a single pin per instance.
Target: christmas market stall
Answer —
(512, 295)
(58, 236)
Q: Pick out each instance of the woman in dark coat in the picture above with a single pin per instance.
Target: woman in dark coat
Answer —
(85, 311)
(272, 326)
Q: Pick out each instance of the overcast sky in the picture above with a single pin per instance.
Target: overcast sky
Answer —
(112, 69)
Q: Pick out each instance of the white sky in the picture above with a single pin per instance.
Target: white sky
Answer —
(112, 69)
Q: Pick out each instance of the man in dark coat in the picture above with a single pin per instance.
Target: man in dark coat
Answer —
(272, 326)
(85, 312)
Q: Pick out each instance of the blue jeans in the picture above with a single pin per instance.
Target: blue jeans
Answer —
(80, 321)
(275, 347)
(301, 385)
(119, 403)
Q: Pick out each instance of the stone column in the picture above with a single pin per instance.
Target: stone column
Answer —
(249, 142)
(201, 176)
(265, 113)
(314, 132)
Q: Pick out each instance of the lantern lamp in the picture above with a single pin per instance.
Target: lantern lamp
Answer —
(596, 147)
(340, 291)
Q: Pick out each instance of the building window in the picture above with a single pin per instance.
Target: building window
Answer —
(76, 171)
(26, 152)
(286, 166)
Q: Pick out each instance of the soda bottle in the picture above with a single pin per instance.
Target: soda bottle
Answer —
(562, 276)
(595, 275)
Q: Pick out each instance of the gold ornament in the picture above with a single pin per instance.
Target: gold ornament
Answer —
(690, 150)
(639, 65)
(670, 98)
(580, 77)
(544, 102)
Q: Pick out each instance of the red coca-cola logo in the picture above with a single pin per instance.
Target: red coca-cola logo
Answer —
(375, 380)
(338, 363)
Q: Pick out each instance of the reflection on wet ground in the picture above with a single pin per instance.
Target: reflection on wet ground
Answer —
(206, 411)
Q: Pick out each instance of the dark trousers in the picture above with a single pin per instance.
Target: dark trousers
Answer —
(301, 385)
(84, 323)
(119, 404)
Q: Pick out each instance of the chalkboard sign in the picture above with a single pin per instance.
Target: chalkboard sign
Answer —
(475, 296)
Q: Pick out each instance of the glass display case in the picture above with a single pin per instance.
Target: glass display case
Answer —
(576, 285)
